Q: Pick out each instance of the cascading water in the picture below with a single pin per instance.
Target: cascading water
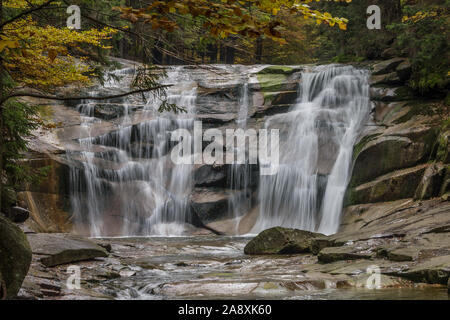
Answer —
(240, 174)
(316, 145)
(126, 183)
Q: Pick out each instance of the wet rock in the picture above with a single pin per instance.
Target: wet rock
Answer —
(284, 98)
(404, 70)
(279, 70)
(434, 270)
(403, 254)
(2, 288)
(445, 187)
(443, 153)
(391, 94)
(106, 246)
(397, 185)
(431, 183)
(210, 204)
(386, 66)
(109, 111)
(389, 53)
(361, 281)
(387, 79)
(58, 249)
(274, 80)
(15, 257)
(388, 153)
(333, 254)
(448, 286)
(280, 240)
(210, 175)
(49, 211)
(18, 214)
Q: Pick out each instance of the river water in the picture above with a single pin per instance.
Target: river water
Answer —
(207, 267)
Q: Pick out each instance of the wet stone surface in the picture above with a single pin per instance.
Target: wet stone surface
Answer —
(207, 267)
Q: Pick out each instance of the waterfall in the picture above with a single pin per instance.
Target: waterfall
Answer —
(124, 182)
(239, 175)
(316, 146)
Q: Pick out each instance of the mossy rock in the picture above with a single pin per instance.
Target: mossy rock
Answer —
(393, 186)
(278, 70)
(271, 82)
(386, 66)
(431, 183)
(280, 240)
(333, 254)
(376, 156)
(383, 93)
(443, 150)
(434, 271)
(15, 256)
(423, 108)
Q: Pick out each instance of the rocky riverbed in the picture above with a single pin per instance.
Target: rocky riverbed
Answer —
(211, 267)
(408, 245)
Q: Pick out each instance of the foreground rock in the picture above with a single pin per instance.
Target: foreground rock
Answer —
(15, 258)
(57, 249)
(328, 255)
(286, 241)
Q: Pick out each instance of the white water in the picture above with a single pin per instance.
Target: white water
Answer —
(240, 201)
(124, 182)
(316, 145)
(143, 193)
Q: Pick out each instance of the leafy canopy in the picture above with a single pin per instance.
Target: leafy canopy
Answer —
(40, 56)
(250, 18)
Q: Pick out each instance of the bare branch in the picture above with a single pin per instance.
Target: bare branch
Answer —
(51, 97)
(25, 13)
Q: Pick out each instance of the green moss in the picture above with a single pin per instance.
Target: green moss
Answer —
(271, 82)
(447, 100)
(277, 70)
(15, 256)
(45, 112)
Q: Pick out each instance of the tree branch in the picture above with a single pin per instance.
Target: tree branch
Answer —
(50, 97)
(25, 13)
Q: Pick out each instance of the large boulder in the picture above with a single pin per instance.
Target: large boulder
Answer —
(280, 240)
(15, 257)
(391, 152)
(58, 248)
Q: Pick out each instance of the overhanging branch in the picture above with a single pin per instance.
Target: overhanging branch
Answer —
(52, 97)
(25, 13)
